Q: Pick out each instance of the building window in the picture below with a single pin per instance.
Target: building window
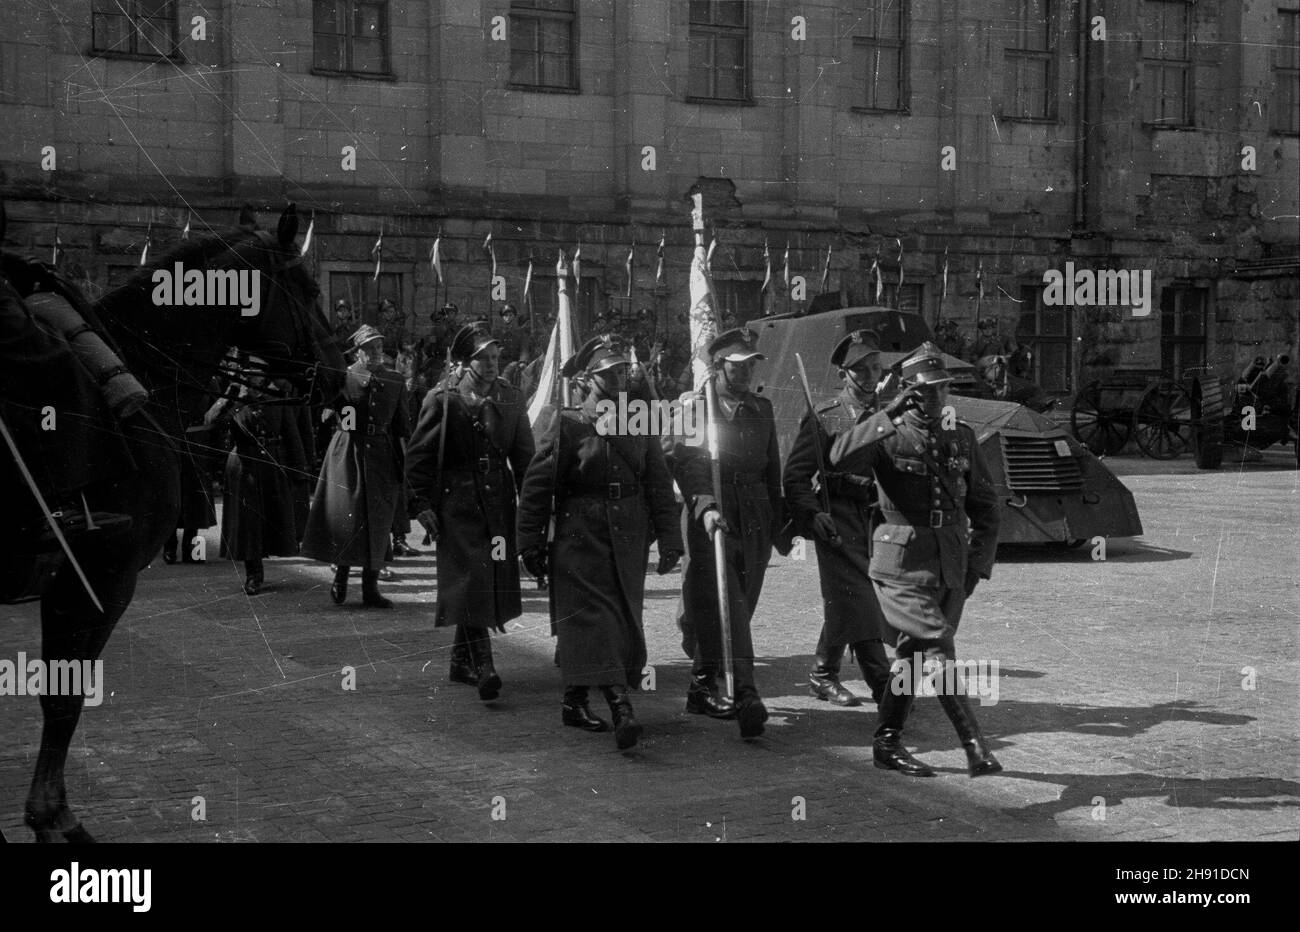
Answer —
(1286, 72)
(351, 36)
(1182, 330)
(1046, 332)
(134, 27)
(1167, 62)
(907, 298)
(542, 44)
(1029, 89)
(719, 50)
(880, 56)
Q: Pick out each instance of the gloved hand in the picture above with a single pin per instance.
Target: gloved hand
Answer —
(713, 520)
(429, 521)
(668, 560)
(824, 527)
(535, 562)
(907, 398)
(972, 580)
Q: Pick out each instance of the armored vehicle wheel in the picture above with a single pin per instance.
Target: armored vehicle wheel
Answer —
(1163, 420)
(1093, 426)
(1207, 409)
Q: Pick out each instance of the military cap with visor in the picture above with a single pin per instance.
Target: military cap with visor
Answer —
(854, 348)
(596, 355)
(736, 345)
(925, 366)
(363, 335)
(470, 340)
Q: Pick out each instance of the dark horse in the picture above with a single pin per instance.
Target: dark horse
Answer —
(174, 352)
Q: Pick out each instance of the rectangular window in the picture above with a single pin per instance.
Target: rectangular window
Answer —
(719, 50)
(350, 36)
(880, 56)
(1286, 74)
(1182, 330)
(542, 44)
(1029, 62)
(907, 299)
(134, 27)
(1046, 332)
(1167, 62)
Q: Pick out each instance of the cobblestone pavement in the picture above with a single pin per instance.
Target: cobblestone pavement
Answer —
(1120, 695)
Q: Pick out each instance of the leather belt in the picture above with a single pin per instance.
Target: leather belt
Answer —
(610, 490)
(935, 517)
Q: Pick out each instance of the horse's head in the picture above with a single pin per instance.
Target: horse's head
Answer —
(993, 371)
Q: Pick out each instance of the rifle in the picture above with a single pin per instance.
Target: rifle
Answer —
(817, 444)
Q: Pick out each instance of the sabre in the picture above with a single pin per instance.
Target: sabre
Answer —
(49, 516)
(823, 491)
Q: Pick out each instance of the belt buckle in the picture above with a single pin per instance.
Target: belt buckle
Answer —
(484, 464)
(936, 517)
(616, 490)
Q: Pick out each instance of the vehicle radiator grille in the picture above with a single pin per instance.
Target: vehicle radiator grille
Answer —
(1033, 465)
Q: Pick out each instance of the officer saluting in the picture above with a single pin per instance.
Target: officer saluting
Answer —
(750, 513)
(931, 481)
(842, 536)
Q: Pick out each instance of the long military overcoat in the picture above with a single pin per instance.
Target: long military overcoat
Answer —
(489, 446)
(613, 496)
(352, 511)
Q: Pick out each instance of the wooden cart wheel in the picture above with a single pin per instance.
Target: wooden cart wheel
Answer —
(1095, 427)
(1207, 410)
(1163, 420)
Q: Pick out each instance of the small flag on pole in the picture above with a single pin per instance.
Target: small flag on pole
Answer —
(875, 270)
(58, 247)
(787, 265)
(767, 265)
(900, 265)
(378, 252)
(528, 281)
(944, 294)
(577, 267)
(659, 266)
(826, 270)
(708, 256)
(306, 240)
(979, 279)
(435, 257)
(144, 253)
(185, 233)
(491, 254)
(630, 251)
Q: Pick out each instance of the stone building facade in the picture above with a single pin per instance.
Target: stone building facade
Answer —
(996, 139)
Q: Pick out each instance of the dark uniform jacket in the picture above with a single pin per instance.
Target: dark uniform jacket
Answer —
(613, 494)
(852, 612)
(352, 510)
(489, 446)
(751, 503)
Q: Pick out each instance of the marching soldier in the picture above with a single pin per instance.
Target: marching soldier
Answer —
(842, 536)
(750, 516)
(609, 493)
(352, 510)
(932, 483)
(272, 447)
(464, 488)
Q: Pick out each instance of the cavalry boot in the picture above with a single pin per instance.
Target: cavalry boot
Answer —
(824, 680)
(626, 728)
(253, 577)
(480, 647)
(750, 711)
(887, 748)
(575, 712)
(871, 658)
(463, 669)
(979, 759)
(702, 696)
(339, 588)
(370, 596)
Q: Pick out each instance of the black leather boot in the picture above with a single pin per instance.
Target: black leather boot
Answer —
(463, 669)
(979, 759)
(252, 577)
(887, 748)
(702, 696)
(339, 588)
(824, 680)
(370, 596)
(575, 712)
(402, 549)
(626, 728)
(169, 549)
(480, 647)
(871, 658)
(750, 711)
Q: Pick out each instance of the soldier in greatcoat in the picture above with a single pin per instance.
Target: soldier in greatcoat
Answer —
(352, 511)
(609, 492)
(750, 515)
(938, 538)
(464, 493)
(842, 536)
(271, 447)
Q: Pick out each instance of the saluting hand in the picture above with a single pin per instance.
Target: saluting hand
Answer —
(429, 521)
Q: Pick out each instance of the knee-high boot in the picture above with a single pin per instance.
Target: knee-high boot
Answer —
(871, 657)
(480, 648)
(626, 728)
(462, 661)
(252, 577)
(339, 588)
(887, 749)
(824, 680)
(750, 711)
(575, 712)
(702, 696)
(370, 596)
(979, 759)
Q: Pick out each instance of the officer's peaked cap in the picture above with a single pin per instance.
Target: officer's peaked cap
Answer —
(364, 334)
(925, 366)
(597, 355)
(854, 348)
(470, 340)
(735, 346)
